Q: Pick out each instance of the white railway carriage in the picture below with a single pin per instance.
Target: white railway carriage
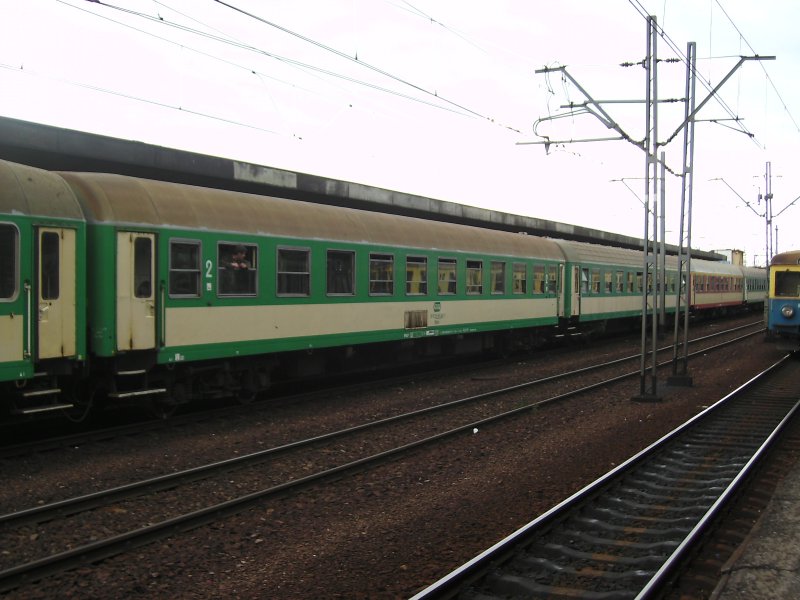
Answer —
(604, 283)
(320, 279)
(717, 286)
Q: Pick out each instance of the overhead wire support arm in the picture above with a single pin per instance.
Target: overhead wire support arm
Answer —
(713, 92)
(592, 106)
(746, 203)
(787, 206)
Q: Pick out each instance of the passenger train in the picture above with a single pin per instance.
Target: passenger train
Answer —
(118, 289)
(783, 309)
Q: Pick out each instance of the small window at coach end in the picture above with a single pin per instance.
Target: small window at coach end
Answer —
(9, 253)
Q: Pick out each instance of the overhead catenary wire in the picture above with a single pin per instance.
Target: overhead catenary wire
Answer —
(766, 73)
(355, 60)
(454, 108)
(439, 101)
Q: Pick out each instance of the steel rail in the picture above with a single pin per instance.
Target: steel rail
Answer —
(69, 506)
(488, 566)
(114, 545)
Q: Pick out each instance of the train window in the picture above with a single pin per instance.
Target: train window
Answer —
(184, 269)
(474, 277)
(585, 281)
(9, 253)
(620, 282)
(50, 266)
(416, 275)
(609, 285)
(538, 279)
(294, 276)
(629, 282)
(447, 276)
(787, 284)
(341, 272)
(498, 275)
(552, 279)
(595, 281)
(142, 267)
(520, 278)
(381, 274)
(639, 282)
(238, 269)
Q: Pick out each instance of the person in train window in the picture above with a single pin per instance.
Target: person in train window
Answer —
(238, 260)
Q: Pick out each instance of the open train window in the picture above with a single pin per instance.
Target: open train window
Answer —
(498, 277)
(9, 259)
(381, 274)
(184, 268)
(538, 279)
(294, 275)
(584, 280)
(551, 283)
(520, 278)
(416, 275)
(341, 272)
(447, 276)
(237, 266)
(474, 277)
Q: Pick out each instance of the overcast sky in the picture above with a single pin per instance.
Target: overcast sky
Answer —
(434, 97)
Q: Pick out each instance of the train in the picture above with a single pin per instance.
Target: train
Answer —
(783, 305)
(116, 289)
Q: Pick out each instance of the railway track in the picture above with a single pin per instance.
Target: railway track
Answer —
(629, 533)
(292, 467)
(142, 426)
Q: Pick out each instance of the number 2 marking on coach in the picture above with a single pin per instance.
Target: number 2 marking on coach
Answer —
(209, 266)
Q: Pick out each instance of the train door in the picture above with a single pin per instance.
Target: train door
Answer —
(136, 305)
(576, 291)
(560, 291)
(55, 294)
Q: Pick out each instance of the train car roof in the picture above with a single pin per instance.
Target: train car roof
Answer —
(758, 272)
(122, 200)
(792, 257)
(584, 252)
(707, 267)
(33, 192)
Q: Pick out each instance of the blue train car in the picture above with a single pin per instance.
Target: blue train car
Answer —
(783, 315)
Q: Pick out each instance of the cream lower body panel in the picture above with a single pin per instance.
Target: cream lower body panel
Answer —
(221, 324)
(11, 338)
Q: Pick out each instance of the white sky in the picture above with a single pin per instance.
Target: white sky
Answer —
(464, 96)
